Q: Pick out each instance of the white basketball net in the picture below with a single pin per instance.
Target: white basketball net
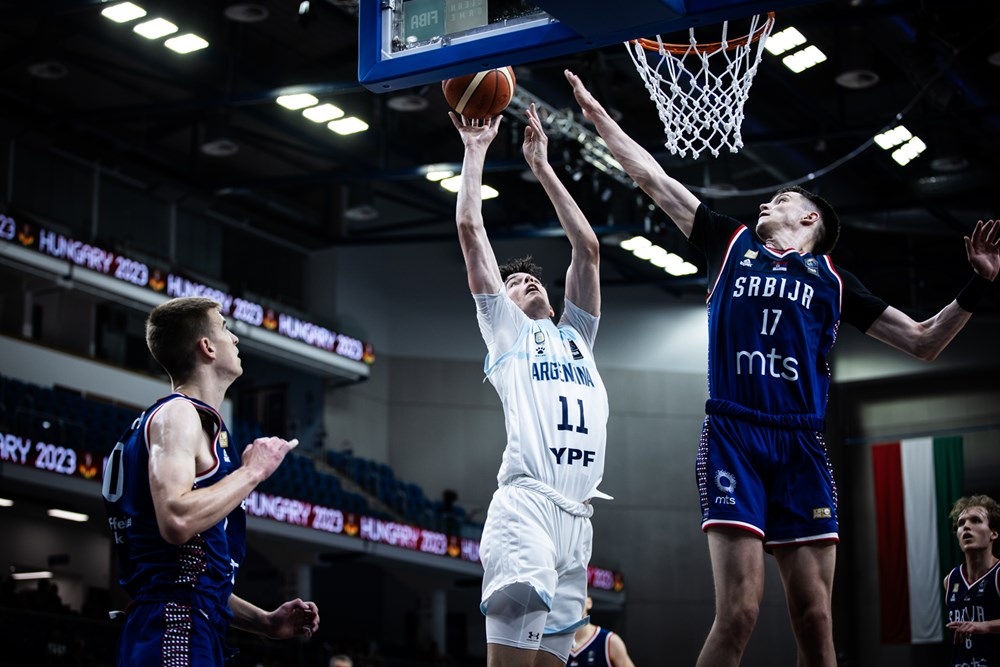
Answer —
(700, 102)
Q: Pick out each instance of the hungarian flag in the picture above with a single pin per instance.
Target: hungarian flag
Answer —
(917, 481)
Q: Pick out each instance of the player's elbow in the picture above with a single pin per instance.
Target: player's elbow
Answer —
(175, 530)
(588, 250)
(926, 350)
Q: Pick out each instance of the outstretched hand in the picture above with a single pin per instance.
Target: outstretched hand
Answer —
(476, 132)
(295, 618)
(536, 143)
(588, 103)
(983, 248)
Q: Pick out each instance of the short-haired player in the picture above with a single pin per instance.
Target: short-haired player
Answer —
(775, 303)
(536, 543)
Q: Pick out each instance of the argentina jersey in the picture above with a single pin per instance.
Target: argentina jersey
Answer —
(978, 602)
(203, 570)
(555, 403)
(773, 318)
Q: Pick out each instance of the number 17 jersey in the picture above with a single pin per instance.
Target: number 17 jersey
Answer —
(555, 403)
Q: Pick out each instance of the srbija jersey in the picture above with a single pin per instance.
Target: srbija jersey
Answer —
(977, 601)
(555, 404)
(595, 652)
(203, 570)
(773, 317)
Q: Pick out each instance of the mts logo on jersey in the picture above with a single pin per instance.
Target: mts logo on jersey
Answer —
(571, 455)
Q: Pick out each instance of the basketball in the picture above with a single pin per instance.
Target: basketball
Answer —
(481, 95)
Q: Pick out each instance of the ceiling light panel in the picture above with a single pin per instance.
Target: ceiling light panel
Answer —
(186, 43)
(784, 41)
(155, 28)
(323, 113)
(804, 59)
(297, 101)
(349, 125)
(123, 12)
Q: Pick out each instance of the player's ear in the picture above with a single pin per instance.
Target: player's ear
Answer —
(206, 348)
(809, 218)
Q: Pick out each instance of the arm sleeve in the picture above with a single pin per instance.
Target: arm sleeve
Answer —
(711, 233)
(860, 307)
(585, 323)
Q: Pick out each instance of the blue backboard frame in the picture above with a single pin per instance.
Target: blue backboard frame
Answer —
(574, 26)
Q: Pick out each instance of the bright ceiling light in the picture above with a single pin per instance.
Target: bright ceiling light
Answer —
(804, 59)
(123, 12)
(186, 43)
(649, 252)
(635, 242)
(783, 41)
(893, 137)
(323, 113)
(69, 516)
(669, 259)
(297, 101)
(454, 184)
(439, 175)
(6, 502)
(349, 125)
(155, 29)
(24, 576)
(908, 151)
(683, 269)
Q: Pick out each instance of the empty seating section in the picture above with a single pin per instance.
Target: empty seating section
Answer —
(67, 418)
(61, 416)
(405, 499)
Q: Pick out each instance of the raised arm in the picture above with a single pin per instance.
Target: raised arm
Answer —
(583, 286)
(480, 261)
(926, 340)
(668, 193)
(175, 439)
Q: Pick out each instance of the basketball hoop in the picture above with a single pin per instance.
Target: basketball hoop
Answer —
(700, 89)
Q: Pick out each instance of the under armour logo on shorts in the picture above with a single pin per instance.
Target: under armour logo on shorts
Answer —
(534, 636)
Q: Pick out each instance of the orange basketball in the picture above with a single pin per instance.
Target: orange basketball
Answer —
(481, 95)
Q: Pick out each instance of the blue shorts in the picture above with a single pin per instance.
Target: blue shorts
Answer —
(170, 634)
(774, 482)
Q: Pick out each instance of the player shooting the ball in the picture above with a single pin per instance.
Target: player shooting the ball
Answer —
(556, 411)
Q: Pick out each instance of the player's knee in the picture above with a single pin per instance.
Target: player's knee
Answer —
(738, 621)
(814, 624)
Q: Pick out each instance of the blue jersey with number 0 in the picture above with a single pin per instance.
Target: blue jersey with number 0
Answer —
(200, 572)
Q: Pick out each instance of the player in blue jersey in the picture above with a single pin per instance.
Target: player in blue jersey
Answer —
(775, 303)
(536, 543)
(175, 488)
(594, 646)
(972, 590)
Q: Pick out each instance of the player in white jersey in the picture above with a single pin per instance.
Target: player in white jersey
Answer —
(537, 540)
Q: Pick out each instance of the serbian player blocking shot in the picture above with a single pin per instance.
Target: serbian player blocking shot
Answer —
(537, 539)
(775, 303)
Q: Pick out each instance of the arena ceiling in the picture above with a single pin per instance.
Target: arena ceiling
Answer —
(88, 87)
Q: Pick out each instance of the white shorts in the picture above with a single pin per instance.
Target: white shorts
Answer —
(528, 538)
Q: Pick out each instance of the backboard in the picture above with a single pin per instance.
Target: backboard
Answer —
(405, 43)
